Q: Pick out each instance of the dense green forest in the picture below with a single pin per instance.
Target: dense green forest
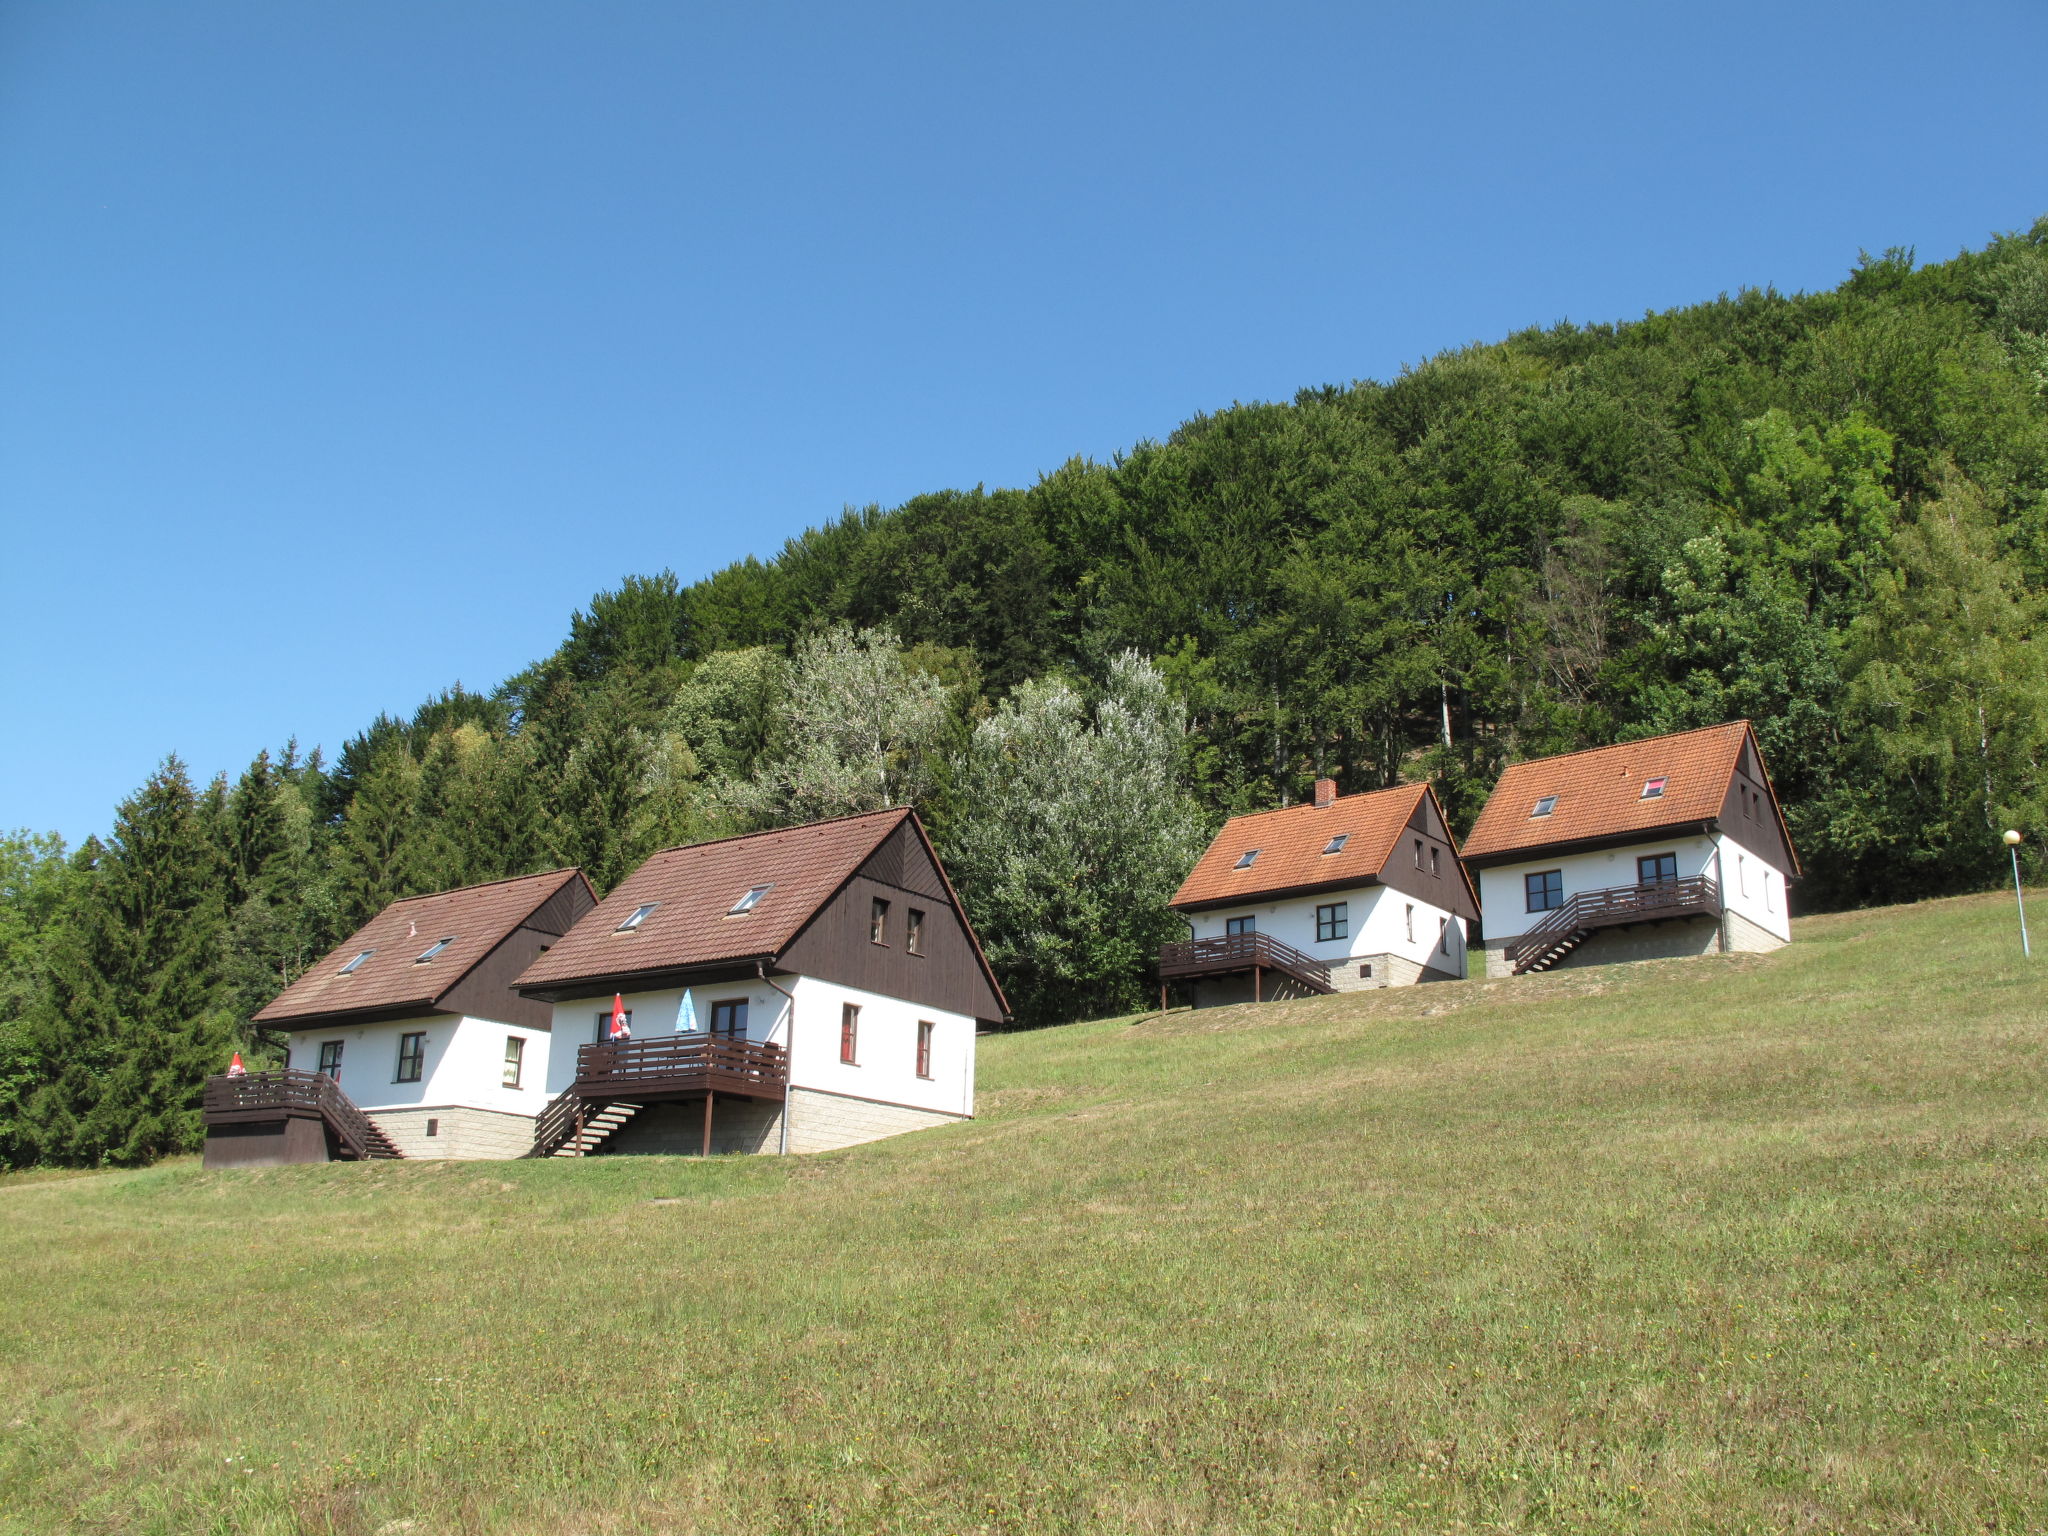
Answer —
(1826, 512)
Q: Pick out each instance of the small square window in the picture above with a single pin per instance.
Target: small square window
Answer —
(640, 914)
(1365, 969)
(878, 921)
(356, 964)
(603, 1033)
(1653, 789)
(412, 1054)
(433, 1126)
(431, 950)
(1336, 844)
(1235, 925)
(729, 1018)
(1333, 921)
(330, 1058)
(748, 902)
(1245, 860)
(1543, 891)
(1545, 806)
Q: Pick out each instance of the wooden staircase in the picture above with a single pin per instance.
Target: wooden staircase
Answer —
(281, 1092)
(596, 1129)
(1569, 926)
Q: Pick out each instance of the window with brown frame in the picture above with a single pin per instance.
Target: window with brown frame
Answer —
(913, 931)
(1418, 853)
(729, 1018)
(515, 1059)
(924, 1047)
(878, 921)
(1435, 862)
(849, 1034)
(330, 1059)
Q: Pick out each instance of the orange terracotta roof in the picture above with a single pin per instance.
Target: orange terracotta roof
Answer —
(477, 917)
(693, 890)
(1600, 791)
(1290, 844)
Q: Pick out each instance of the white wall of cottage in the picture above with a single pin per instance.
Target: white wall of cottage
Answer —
(885, 1067)
(463, 1065)
(1377, 918)
(1748, 884)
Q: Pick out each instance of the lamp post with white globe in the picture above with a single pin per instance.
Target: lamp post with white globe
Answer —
(2012, 846)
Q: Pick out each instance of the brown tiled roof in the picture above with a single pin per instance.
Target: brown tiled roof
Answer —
(1600, 791)
(696, 887)
(1291, 841)
(477, 917)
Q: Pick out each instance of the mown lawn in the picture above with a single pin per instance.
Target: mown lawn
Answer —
(1753, 1244)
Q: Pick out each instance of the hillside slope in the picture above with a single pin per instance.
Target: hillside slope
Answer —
(1733, 1245)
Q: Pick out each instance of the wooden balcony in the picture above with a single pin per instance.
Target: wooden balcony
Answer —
(287, 1093)
(1565, 928)
(614, 1081)
(679, 1064)
(1238, 953)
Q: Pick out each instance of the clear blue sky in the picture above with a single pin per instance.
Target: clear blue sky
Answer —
(346, 348)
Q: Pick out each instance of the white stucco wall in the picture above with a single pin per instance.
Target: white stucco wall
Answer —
(1753, 888)
(464, 1064)
(1378, 926)
(1740, 873)
(887, 1066)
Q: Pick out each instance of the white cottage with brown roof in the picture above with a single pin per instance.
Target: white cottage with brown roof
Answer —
(409, 1039)
(1674, 845)
(794, 990)
(1341, 893)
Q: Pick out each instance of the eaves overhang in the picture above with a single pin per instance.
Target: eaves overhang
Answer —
(708, 973)
(1535, 853)
(1277, 893)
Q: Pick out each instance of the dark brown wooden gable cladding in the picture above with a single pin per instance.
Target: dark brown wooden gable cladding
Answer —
(1750, 814)
(1443, 884)
(836, 945)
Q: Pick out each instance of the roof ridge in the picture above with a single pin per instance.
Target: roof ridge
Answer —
(1637, 741)
(798, 826)
(481, 885)
(1310, 805)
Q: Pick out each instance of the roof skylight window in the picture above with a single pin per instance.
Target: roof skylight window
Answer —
(432, 950)
(1653, 789)
(748, 902)
(1545, 806)
(353, 965)
(1336, 844)
(1246, 861)
(640, 915)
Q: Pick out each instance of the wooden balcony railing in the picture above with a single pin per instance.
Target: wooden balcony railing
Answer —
(292, 1091)
(679, 1064)
(1242, 952)
(1564, 927)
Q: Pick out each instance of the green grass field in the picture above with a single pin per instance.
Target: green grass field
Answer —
(1744, 1244)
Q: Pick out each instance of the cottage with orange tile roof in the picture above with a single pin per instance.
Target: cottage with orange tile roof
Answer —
(794, 990)
(1341, 893)
(409, 1040)
(1674, 845)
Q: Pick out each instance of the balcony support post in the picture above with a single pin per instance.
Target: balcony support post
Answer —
(1258, 983)
(708, 1097)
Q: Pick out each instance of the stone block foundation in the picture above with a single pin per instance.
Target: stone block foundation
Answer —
(458, 1132)
(1732, 932)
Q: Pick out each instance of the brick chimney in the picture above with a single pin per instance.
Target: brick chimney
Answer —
(1326, 791)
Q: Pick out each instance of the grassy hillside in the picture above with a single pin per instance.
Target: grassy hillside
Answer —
(1752, 1244)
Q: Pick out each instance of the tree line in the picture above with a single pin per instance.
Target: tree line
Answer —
(1826, 512)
